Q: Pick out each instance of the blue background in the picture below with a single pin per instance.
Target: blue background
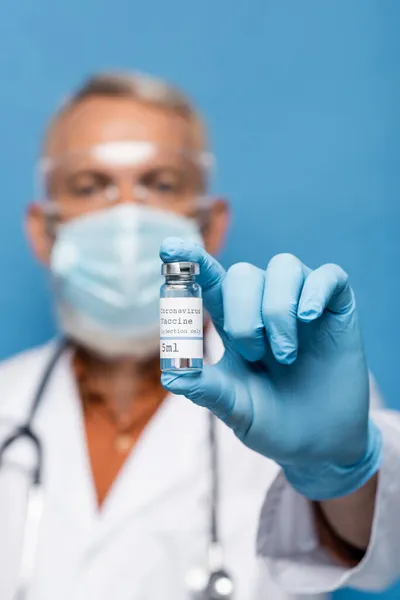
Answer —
(303, 103)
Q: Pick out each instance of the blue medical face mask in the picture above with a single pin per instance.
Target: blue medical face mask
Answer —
(106, 272)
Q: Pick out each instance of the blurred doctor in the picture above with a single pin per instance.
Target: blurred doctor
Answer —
(130, 495)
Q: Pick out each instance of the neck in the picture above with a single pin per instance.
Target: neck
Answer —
(117, 383)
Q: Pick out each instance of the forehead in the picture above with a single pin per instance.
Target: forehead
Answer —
(99, 120)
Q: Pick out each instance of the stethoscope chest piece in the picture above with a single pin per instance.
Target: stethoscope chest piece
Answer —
(220, 586)
(203, 585)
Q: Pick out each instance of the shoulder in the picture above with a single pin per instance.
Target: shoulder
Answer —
(19, 377)
(25, 362)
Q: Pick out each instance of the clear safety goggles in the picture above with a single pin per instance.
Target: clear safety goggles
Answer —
(123, 171)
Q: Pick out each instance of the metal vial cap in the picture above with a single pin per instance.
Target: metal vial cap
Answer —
(180, 268)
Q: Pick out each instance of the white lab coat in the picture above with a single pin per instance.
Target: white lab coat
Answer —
(287, 540)
(153, 527)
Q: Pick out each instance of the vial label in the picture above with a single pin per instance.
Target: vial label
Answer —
(181, 328)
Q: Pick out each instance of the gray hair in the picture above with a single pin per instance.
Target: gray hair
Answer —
(141, 87)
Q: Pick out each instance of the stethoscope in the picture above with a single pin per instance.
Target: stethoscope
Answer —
(209, 583)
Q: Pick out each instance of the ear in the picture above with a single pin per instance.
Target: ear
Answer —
(36, 230)
(216, 226)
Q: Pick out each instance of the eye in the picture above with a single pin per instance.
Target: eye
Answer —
(87, 185)
(163, 182)
(85, 190)
(166, 186)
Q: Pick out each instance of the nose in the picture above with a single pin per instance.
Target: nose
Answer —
(126, 191)
(132, 192)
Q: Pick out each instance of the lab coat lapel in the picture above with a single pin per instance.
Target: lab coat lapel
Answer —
(67, 473)
(172, 445)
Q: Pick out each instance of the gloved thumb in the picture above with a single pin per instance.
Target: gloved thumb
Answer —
(209, 388)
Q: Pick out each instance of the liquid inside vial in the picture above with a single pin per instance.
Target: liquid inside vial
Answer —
(181, 318)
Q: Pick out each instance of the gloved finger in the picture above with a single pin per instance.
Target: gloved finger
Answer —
(206, 388)
(284, 280)
(211, 275)
(326, 288)
(243, 289)
(214, 389)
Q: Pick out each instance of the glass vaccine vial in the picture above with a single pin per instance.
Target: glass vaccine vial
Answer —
(181, 318)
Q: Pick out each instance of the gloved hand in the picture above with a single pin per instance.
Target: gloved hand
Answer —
(293, 383)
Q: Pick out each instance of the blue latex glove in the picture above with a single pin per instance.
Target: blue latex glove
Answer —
(293, 383)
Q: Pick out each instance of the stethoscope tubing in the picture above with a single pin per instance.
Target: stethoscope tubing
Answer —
(36, 494)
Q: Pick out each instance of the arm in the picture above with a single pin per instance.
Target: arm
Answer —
(293, 551)
(344, 524)
(350, 519)
(293, 386)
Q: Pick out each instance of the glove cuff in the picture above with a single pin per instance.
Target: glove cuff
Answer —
(327, 481)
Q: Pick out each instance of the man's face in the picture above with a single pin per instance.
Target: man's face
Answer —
(168, 178)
